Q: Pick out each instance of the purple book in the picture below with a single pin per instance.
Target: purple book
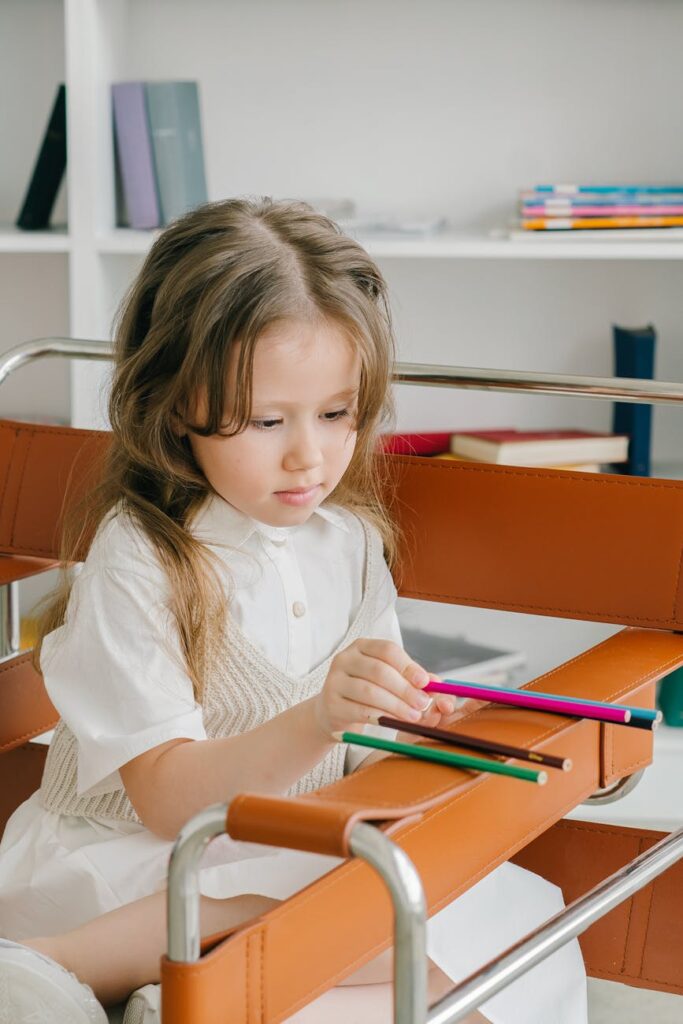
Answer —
(134, 147)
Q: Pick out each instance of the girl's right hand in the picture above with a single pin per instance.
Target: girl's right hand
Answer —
(367, 679)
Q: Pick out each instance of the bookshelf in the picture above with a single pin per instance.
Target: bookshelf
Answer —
(415, 110)
(412, 109)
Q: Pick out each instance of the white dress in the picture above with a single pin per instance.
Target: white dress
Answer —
(115, 673)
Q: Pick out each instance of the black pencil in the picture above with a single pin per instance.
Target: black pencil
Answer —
(475, 743)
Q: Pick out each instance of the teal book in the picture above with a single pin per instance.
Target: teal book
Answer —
(175, 129)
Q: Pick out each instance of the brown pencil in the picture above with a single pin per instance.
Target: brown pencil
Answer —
(475, 743)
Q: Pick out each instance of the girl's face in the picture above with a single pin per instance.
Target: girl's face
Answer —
(301, 433)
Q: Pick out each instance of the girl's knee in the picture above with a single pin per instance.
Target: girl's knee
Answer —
(221, 914)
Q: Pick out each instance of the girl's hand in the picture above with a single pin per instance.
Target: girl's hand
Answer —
(441, 711)
(370, 678)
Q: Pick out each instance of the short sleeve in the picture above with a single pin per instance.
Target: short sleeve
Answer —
(115, 673)
(385, 627)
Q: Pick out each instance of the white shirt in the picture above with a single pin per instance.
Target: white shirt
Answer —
(115, 671)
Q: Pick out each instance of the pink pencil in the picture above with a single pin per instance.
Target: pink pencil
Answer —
(526, 699)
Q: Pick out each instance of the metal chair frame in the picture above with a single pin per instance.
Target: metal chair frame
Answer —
(367, 842)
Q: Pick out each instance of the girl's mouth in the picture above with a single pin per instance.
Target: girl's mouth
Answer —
(299, 496)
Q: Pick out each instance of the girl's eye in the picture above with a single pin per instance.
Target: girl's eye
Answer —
(329, 417)
(265, 424)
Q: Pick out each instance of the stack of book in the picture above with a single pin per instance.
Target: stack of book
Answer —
(158, 149)
(601, 208)
(579, 450)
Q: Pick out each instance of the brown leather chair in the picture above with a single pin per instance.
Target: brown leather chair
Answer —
(542, 541)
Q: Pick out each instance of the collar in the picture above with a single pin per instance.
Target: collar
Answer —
(222, 525)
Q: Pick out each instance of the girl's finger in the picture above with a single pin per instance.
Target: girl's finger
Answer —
(364, 693)
(397, 658)
(379, 673)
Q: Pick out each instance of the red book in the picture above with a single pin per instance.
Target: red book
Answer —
(416, 444)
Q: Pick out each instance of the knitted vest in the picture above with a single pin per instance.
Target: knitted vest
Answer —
(242, 691)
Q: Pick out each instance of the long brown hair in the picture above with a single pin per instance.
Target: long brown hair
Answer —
(218, 276)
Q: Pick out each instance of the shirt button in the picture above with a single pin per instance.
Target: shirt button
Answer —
(299, 609)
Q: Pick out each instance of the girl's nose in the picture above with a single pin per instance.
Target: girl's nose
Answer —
(303, 451)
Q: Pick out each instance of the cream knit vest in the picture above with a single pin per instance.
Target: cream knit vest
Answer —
(242, 691)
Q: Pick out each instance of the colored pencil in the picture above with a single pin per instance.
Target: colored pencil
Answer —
(527, 699)
(479, 764)
(649, 717)
(460, 739)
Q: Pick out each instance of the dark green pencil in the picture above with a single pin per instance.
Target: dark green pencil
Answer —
(479, 764)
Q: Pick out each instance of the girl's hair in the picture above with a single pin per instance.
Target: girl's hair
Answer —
(218, 276)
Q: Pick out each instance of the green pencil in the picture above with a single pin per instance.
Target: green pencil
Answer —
(480, 764)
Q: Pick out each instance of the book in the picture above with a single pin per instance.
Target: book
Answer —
(134, 154)
(516, 234)
(416, 444)
(456, 656)
(571, 190)
(634, 356)
(175, 128)
(540, 447)
(601, 199)
(579, 223)
(606, 209)
(48, 170)
(581, 467)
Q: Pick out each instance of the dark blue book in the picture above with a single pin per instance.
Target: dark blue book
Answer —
(48, 172)
(634, 356)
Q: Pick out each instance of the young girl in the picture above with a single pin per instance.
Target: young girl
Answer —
(234, 612)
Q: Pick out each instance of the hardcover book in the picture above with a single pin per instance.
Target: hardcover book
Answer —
(540, 447)
(175, 126)
(634, 356)
(416, 444)
(134, 153)
(48, 171)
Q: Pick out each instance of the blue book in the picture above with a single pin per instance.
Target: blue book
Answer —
(175, 127)
(568, 190)
(634, 356)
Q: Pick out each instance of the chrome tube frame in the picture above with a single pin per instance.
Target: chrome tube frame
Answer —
(182, 895)
(402, 880)
(367, 842)
(557, 931)
(71, 348)
(625, 389)
(10, 639)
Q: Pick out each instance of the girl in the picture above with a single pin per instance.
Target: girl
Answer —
(202, 651)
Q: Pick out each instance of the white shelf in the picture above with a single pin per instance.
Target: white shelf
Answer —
(456, 245)
(14, 240)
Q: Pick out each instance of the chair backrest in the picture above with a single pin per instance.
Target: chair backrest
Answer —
(40, 467)
(552, 542)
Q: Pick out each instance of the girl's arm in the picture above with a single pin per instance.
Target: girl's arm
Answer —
(173, 781)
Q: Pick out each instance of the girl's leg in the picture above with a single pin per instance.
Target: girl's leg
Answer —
(120, 951)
